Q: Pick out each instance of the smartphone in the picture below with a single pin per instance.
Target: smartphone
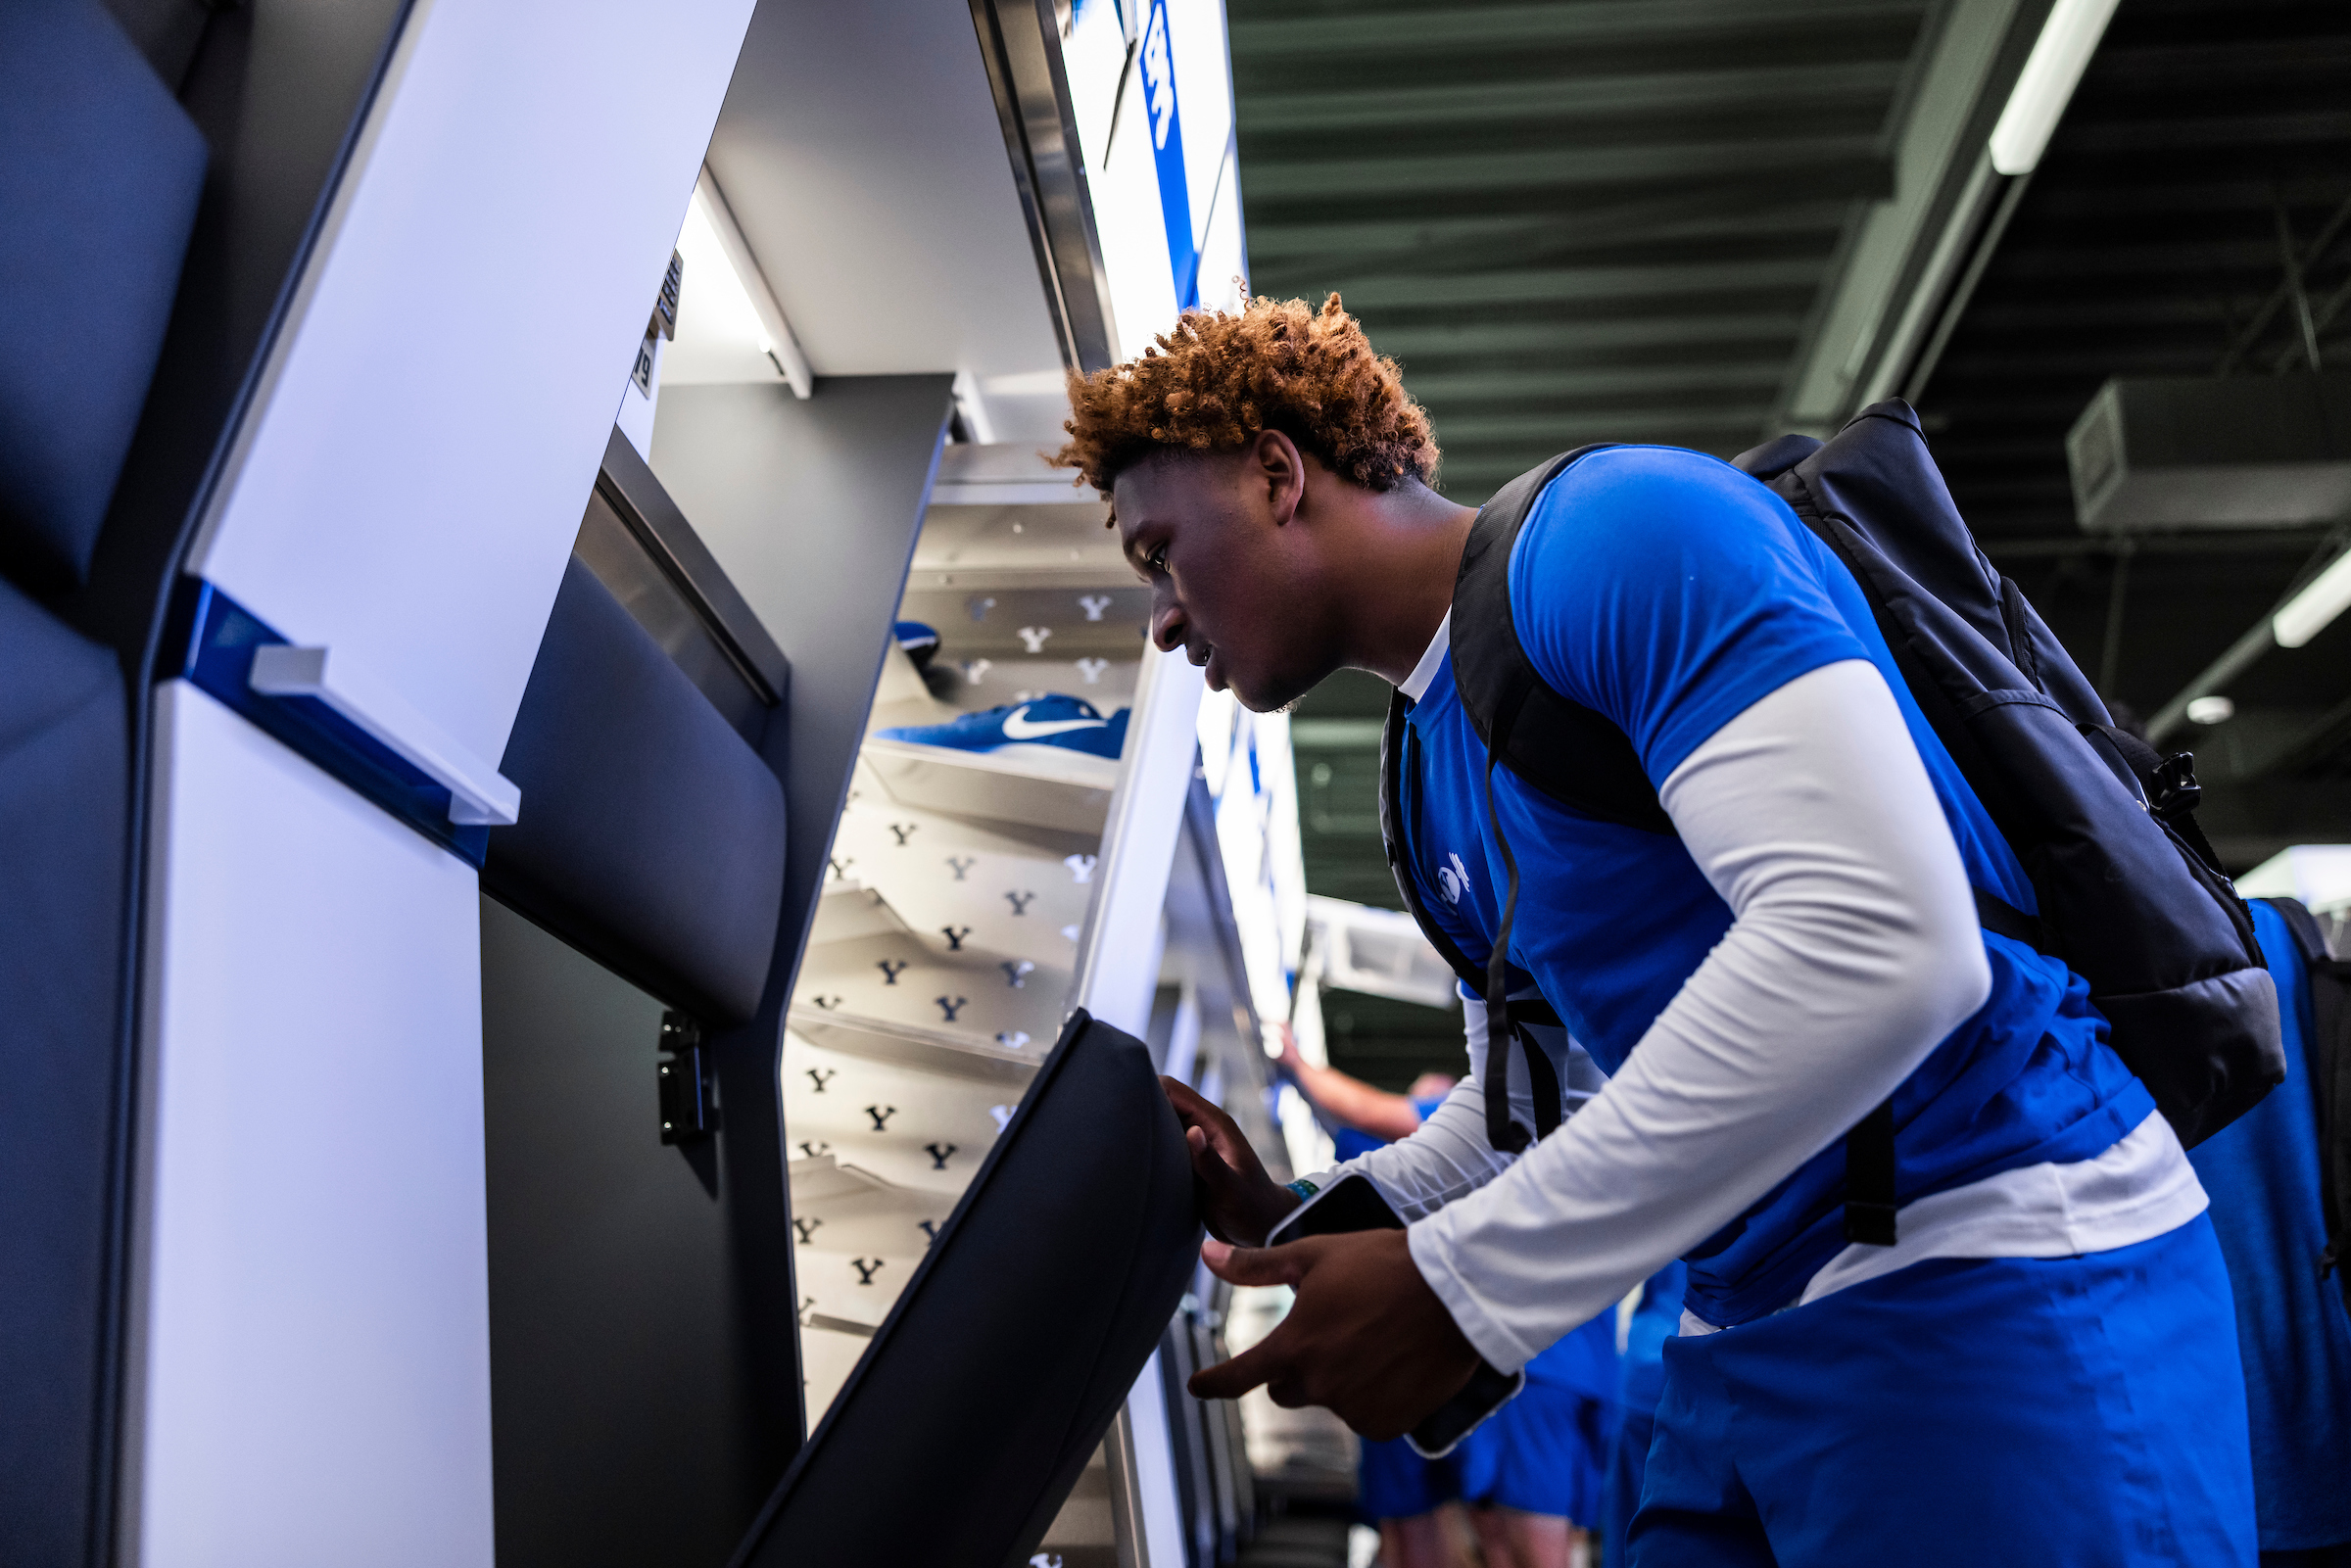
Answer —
(1353, 1203)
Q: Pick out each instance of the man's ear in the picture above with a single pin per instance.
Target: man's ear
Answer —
(1282, 470)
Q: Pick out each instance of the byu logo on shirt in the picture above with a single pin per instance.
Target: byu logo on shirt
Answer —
(1452, 879)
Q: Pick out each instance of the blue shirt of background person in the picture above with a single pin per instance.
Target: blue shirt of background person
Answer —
(1668, 592)
(2261, 1176)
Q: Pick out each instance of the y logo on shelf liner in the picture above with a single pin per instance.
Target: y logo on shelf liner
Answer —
(904, 831)
(1081, 867)
(815, 1148)
(1032, 638)
(1002, 1114)
(840, 865)
(938, 1153)
(980, 607)
(976, 670)
(820, 1076)
(881, 1115)
(867, 1269)
(952, 1006)
(808, 1227)
(960, 864)
(1017, 972)
(930, 1230)
(1020, 902)
(1093, 604)
(1091, 669)
(828, 1003)
(954, 935)
(891, 968)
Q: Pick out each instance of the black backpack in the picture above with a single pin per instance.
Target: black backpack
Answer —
(2132, 896)
(2327, 1060)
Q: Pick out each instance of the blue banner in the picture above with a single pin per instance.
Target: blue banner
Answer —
(1167, 146)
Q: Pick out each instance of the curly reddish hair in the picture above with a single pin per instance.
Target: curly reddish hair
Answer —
(1219, 379)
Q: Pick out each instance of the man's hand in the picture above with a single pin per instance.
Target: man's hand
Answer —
(1238, 1199)
(1367, 1339)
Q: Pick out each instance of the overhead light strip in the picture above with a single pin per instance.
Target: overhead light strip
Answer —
(776, 336)
(2311, 610)
(2051, 73)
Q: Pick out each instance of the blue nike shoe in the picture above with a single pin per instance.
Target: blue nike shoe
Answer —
(1061, 723)
(919, 640)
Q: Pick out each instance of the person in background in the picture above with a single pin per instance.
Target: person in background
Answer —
(1537, 1467)
(2293, 1333)
(1656, 1319)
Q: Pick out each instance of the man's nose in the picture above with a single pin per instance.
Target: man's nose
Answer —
(1166, 626)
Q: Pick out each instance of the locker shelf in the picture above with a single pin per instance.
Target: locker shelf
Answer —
(849, 911)
(1070, 794)
(940, 1050)
(823, 1178)
(840, 1325)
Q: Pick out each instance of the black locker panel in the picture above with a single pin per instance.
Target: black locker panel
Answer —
(620, 1427)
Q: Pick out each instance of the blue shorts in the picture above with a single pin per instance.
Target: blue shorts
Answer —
(1546, 1452)
(2083, 1412)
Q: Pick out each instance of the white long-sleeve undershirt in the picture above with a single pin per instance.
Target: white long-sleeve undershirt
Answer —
(1853, 950)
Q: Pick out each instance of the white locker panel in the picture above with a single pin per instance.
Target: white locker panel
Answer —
(406, 491)
(314, 1383)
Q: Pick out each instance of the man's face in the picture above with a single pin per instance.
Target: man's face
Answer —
(1232, 571)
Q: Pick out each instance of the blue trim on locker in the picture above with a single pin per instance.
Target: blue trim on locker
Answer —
(216, 638)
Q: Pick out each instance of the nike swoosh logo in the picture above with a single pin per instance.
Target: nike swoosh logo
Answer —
(1017, 728)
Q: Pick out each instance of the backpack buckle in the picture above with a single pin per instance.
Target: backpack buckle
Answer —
(2172, 787)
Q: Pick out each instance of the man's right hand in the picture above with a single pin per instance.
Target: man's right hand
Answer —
(1238, 1199)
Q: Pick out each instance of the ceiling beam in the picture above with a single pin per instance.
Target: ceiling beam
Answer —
(1477, 31)
(1610, 102)
(1499, 340)
(1750, 380)
(1856, 158)
(1473, 240)
(1675, 283)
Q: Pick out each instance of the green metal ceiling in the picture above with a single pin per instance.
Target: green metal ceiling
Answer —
(1590, 220)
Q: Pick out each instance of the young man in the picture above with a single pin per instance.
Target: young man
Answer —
(2044, 1369)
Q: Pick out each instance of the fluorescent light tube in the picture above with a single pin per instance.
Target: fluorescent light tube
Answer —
(2051, 73)
(2211, 710)
(750, 304)
(2309, 612)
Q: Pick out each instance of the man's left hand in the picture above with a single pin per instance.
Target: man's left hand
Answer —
(1367, 1339)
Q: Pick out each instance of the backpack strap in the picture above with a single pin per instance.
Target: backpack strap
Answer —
(1564, 750)
(2328, 1061)
(1396, 744)
(1395, 763)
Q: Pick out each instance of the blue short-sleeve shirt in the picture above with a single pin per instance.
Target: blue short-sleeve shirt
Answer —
(1668, 591)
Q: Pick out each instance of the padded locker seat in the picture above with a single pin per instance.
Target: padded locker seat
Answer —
(100, 172)
(652, 835)
(64, 787)
(994, 1377)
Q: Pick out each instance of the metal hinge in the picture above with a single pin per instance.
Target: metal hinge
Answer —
(689, 1096)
